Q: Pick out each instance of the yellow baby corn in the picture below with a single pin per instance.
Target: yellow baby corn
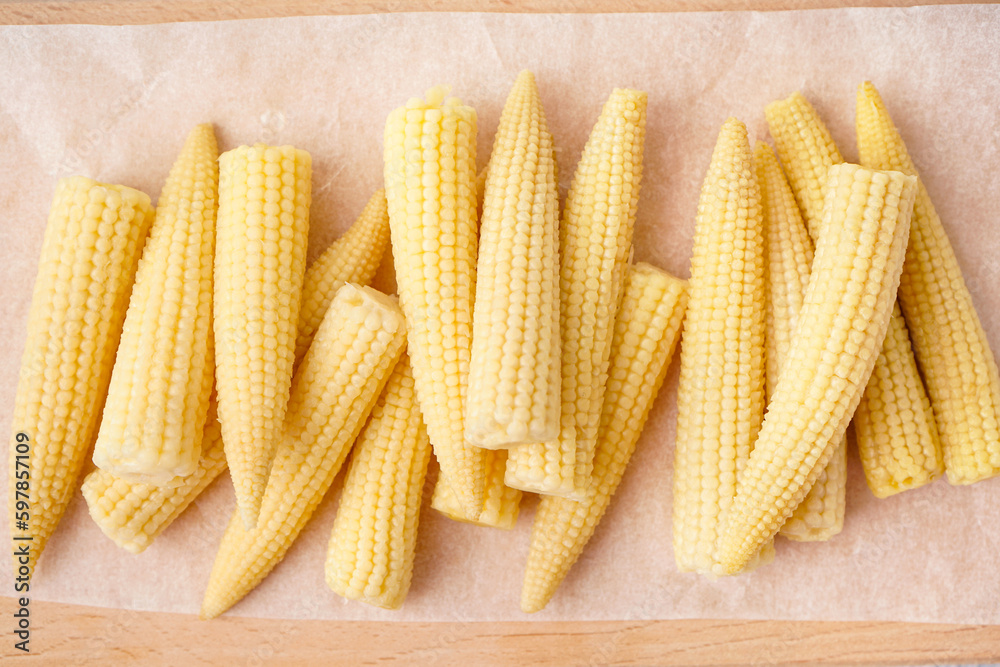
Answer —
(895, 393)
(430, 181)
(154, 416)
(335, 388)
(514, 373)
(501, 504)
(720, 401)
(844, 317)
(646, 332)
(789, 256)
(263, 227)
(370, 556)
(951, 346)
(92, 244)
(353, 258)
(594, 250)
(134, 514)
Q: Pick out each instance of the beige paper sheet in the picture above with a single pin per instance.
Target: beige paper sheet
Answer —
(114, 103)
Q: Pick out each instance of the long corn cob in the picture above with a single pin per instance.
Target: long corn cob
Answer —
(154, 416)
(370, 556)
(840, 328)
(789, 252)
(134, 514)
(92, 244)
(895, 394)
(335, 387)
(951, 345)
(515, 371)
(646, 332)
(720, 401)
(263, 227)
(595, 247)
(353, 258)
(501, 503)
(430, 180)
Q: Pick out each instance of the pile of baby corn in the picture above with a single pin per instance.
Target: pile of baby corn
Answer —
(525, 348)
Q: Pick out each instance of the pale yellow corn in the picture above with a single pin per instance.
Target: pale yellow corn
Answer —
(358, 344)
(501, 503)
(263, 227)
(370, 556)
(92, 244)
(134, 514)
(594, 250)
(951, 346)
(720, 401)
(646, 332)
(353, 258)
(895, 394)
(789, 256)
(514, 373)
(154, 417)
(430, 185)
(840, 329)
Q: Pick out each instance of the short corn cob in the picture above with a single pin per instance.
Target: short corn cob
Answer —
(430, 180)
(263, 227)
(134, 514)
(720, 402)
(154, 416)
(514, 372)
(789, 252)
(370, 556)
(845, 315)
(951, 345)
(896, 393)
(353, 258)
(646, 332)
(357, 345)
(92, 244)
(595, 247)
(501, 505)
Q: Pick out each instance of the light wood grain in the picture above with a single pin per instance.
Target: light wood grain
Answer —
(119, 12)
(70, 634)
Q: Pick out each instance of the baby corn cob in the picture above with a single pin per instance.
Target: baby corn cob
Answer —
(895, 394)
(789, 253)
(595, 247)
(951, 345)
(515, 371)
(646, 332)
(357, 345)
(92, 244)
(720, 401)
(263, 227)
(840, 328)
(154, 416)
(134, 514)
(501, 505)
(370, 557)
(353, 258)
(430, 180)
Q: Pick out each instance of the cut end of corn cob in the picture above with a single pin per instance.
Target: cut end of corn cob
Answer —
(501, 505)
(514, 375)
(843, 320)
(595, 248)
(336, 386)
(92, 244)
(154, 415)
(262, 230)
(430, 184)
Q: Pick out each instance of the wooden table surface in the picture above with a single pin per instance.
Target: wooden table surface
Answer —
(74, 634)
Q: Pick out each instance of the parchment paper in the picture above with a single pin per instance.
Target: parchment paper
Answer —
(115, 103)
